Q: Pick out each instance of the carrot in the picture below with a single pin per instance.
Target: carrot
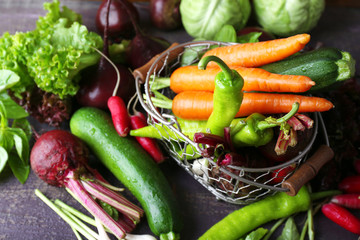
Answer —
(255, 79)
(199, 104)
(260, 53)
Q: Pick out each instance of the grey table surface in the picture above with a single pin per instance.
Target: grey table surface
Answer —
(24, 216)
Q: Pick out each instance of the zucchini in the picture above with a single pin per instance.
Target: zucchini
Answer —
(325, 66)
(127, 160)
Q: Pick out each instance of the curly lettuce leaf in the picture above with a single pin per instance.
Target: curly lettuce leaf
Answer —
(52, 55)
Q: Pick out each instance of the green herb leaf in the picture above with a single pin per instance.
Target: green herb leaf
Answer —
(226, 34)
(290, 231)
(23, 124)
(256, 234)
(249, 38)
(3, 158)
(8, 79)
(13, 110)
(19, 168)
(21, 143)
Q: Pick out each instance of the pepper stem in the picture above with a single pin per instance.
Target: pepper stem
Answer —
(272, 122)
(226, 70)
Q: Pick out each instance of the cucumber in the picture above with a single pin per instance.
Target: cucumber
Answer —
(127, 160)
(325, 66)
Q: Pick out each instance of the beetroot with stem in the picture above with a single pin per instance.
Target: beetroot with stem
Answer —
(60, 159)
(119, 19)
(97, 85)
(142, 47)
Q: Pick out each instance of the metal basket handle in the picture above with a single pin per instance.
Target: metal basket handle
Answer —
(308, 170)
(140, 73)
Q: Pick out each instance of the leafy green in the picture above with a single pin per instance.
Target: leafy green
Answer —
(290, 231)
(14, 140)
(286, 18)
(52, 55)
(249, 38)
(226, 34)
(203, 18)
(257, 234)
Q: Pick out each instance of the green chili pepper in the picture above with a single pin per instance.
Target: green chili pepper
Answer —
(188, 128)
(238, 223)
(227, 96)
(258, 129)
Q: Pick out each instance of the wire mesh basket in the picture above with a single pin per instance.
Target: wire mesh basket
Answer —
(233, 184)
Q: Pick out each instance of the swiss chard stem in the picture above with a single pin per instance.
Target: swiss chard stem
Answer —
(89, 203)
(64, 216)
(120, 207)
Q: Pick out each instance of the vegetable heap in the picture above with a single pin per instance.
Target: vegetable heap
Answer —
(51, 56)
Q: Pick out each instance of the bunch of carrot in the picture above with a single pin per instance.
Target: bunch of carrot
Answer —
(275, 93)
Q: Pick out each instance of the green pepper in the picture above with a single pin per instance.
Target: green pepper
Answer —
(227, 96)
(257, 129)
(238, 223)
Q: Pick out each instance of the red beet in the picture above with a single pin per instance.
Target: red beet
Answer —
(119, 19)
(98, 85)
(55, 154)
(60, 159)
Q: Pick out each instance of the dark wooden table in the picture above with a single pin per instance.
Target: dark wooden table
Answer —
(24, 216)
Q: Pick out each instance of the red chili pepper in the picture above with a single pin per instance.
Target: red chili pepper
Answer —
(350, 200)
(279, 174)
(350, 184)
(119, 114)
(150, 145)
(342, 217)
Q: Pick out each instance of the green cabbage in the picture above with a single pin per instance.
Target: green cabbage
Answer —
(204, 18)
(288, 17)
(51, 55)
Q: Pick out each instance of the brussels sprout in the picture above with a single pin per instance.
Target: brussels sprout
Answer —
(288, 17)
(204, 18)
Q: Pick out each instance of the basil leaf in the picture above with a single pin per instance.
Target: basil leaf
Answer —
(249, 38)
(19, 168)
(6, 139)
(290, 231)
(21, 143)
(23, 124)
(13, 110)
(3, 158)
(8, 79)
(226, 34)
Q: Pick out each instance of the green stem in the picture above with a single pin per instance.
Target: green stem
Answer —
(273, 229)
(310, 224)
(324, 194)
(81, 224)
(77, 235)
(270, 122)
(75, 212)
(159, 83)
(64, 216)
(225, 68)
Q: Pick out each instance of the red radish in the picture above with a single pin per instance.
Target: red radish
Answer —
(150, 145)
(342, 217)
(119, 19)
(120, 116)
(350, 200)
(350, 184)
(60, 159)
